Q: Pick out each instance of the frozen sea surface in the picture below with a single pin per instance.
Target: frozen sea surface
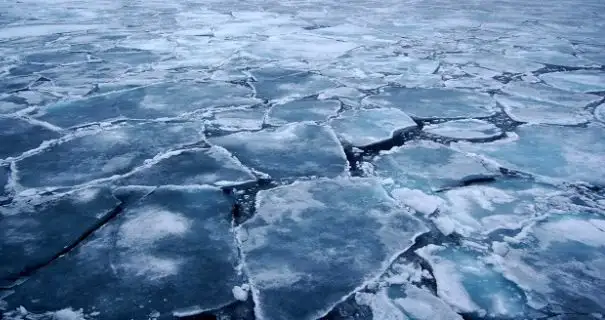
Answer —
(352, 160)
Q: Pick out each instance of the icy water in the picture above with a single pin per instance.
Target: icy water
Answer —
(316, 159)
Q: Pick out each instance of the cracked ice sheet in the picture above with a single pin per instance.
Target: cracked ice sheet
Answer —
(18, 135)
(160, 100)
(465, 129)
(365, 127)
(600, 113)
(213, 165)
(104, 153)
(541, 104)
(291, 151)
(569, 153)
(558, 262)
(295, 248)
(292, 87)
(469, 284)
(576, 81)
(302, 110)
(434, 103)
(32, 232)
(147, 260)
(238, 119)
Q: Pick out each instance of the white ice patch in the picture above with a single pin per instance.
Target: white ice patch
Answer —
(150, 225)
(422, 305)
(302, 110)
(576, 81)
(467, 129)
(417, 200)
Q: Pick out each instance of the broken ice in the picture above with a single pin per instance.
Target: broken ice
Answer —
(302, 110)
(467, 129)
(19, 135)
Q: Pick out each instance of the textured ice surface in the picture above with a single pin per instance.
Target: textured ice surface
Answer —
(108, 152)
(432, 103)
(466, 129)
(558, 263)
(146, 260)
(3, 181)
(213, 165)
(558, 152)
(33, 233)
(294, 150)
(238, 119)
(469, 284)
(303, 110)
(292, 86)
(541, 104)
(18, 135)
(576, 81)
(600, 113)
(369, 126)
(317, 241)
(161, 100)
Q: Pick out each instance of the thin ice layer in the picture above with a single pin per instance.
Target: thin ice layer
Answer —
(469, 284)
(168, 99)
(32, 234)
(18, 135)
(303, 110)
(214, 166)
(465, 129)
(172, 250)
(571, 153)
(316, 241)
(365, 127)
(558, 262)
(434, 103)
(294, 150)
(103, 154)
(292, 87)
(542, 104)
(576, 81)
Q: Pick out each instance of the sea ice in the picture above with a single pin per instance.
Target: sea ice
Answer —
(303, 110)
(213, 165)
(365, 127)
(147, 260)
(292, 87)
(293, 150)
(465, 129)
(18, 135)
(576, 81)
(434, 103)
(317, 241)
(570, 153)
(108, 152)
(600, 113)
(31, 234)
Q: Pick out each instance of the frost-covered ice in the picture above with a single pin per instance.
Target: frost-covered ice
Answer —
(434, 103)
(467, 129)
(569, 153)
(302, 110)
(296, 248)
(213, 165)
(32, 233)
(576, 81)
(365, 127)
(541, 104)
(558, 263)
(294, 150)
(105, 153)
(146, 260)
(19, 135)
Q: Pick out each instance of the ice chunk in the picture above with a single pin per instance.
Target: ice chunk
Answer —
(44, 29)
(160, 100)
(576, 81)
(296, 248)
(434, 103)
(467, 283)
(18, 136)
(213, 165)
(33, 234)
(294, 150)
(347, 95)
(466, 129)
(238, 119)
(428, 166)
(600, 113)
(422, 305)
(417, 200)
(147, 260)
(541, 104)
(557, 262)
(292, 87)
(303, 110)
(109, 152)
(365, 127)
(554, 57)
(558, 152)
(380, 304)
(241, 293)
